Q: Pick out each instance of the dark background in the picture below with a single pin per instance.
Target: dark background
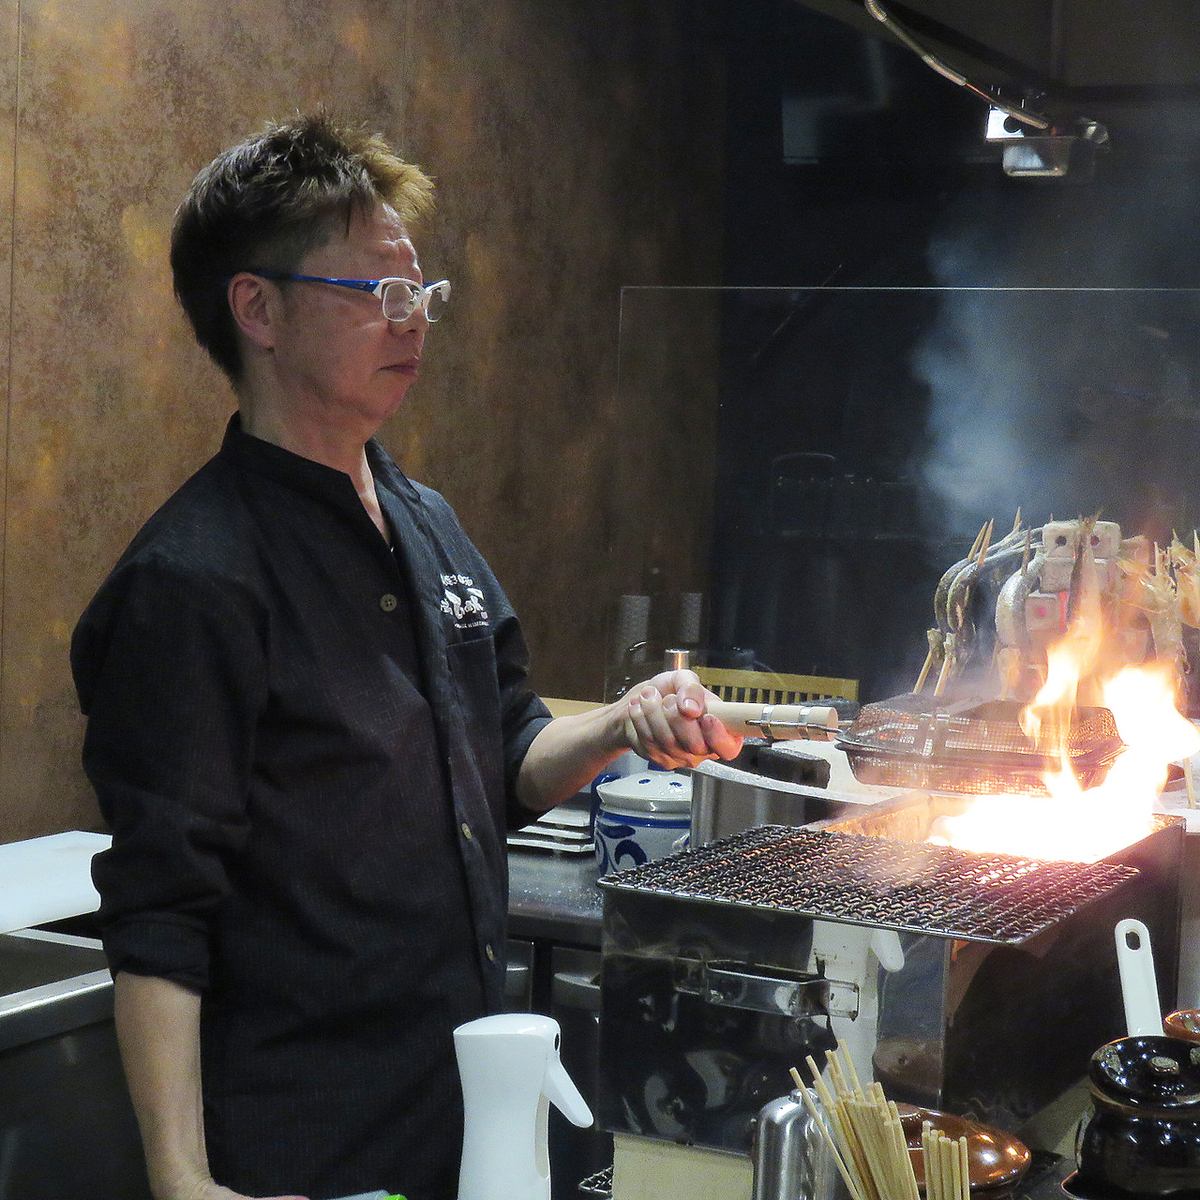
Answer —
(864, 437)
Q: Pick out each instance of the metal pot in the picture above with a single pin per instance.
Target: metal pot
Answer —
(1142, 1137)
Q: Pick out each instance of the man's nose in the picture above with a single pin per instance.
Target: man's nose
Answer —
(416, 320)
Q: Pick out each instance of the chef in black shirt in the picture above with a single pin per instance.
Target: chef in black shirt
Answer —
(309, 722)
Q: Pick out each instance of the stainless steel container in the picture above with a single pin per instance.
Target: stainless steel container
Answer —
(791, 1160)
(762, 786)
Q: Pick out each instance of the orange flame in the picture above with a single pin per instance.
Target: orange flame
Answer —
(1072, 822)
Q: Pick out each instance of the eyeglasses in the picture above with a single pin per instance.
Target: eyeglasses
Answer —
(400, 297)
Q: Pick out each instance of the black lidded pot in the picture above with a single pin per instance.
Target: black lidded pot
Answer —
(1142, 1138)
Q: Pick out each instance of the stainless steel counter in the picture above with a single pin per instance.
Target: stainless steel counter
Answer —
(65, 1114)
(553, 897)
(66, 1125)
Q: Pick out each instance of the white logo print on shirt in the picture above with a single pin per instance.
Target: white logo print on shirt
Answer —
(463, 601)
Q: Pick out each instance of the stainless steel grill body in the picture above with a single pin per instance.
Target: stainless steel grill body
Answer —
(726, 966)
(762, 786)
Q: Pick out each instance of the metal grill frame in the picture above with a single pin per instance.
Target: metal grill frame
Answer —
(859, 879)
(972, 728)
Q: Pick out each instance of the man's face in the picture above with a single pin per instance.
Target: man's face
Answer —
(341, 360)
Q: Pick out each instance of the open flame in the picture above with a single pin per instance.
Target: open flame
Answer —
(1072, 822)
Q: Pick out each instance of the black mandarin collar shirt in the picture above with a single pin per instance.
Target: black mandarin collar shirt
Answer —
(307, 746)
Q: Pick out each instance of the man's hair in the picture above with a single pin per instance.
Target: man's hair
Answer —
(268, 201)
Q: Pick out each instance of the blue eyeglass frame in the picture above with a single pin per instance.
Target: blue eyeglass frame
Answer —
(425, 291)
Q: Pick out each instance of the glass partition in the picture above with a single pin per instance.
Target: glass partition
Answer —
(808, 462)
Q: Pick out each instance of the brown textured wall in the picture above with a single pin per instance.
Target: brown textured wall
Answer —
(574, 144)
(577, 148)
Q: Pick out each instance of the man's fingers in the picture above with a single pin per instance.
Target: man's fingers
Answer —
(677, 739)
(630, 733)
(719, 739)
(645, 742)
(672, 729)
(636, 735)
(671, 682)
(692, 698)
(686, 732)
(648, 724)
(656, 720)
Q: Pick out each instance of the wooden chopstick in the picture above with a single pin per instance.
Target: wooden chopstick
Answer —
(863, 1129)
(947, 1165)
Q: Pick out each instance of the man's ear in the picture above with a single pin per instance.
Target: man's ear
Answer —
(254, 303)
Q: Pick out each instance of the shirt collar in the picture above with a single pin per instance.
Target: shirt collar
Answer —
(303, 473)
(385, 470)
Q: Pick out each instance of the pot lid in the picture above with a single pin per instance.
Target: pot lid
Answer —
(650, 791)
(1151, 1072)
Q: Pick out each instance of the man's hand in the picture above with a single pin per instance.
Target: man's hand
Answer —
(663, 719)
(666, 721)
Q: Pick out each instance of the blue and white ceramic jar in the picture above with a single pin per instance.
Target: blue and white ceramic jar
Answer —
(640, 818)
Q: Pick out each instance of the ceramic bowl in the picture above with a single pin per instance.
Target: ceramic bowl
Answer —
(640, 817)
(995, 1158)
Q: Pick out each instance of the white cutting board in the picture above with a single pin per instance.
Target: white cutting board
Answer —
(48, 878)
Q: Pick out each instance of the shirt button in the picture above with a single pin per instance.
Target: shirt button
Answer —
(490, 952)
(387, 602)
(467, 831)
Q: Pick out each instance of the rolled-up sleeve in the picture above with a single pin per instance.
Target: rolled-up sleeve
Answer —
(171, 675)
(522, 714)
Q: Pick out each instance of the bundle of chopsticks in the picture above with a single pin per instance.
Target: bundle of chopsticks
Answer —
(865, 1137)
(947, 1173)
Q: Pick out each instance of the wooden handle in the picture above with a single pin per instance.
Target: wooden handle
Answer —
(817, 722)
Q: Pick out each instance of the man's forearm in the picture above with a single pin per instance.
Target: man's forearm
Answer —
(663, 719)
(568, 754)
(158, 1029)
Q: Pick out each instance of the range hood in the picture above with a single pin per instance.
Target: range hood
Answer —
(1055, 79)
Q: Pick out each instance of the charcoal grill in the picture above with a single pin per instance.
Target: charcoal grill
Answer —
(978, 984)
(970, 746)
(874, 881)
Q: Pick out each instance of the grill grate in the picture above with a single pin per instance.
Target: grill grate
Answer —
(863, 880)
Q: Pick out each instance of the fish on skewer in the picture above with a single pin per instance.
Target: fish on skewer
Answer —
(936, 656)
(959, 596)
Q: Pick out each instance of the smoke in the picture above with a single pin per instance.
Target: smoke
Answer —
(1064, 402)
(981, 406)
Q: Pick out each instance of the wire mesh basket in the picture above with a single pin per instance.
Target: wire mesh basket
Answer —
(971, 746)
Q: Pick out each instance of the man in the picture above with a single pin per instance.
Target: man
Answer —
(309, 721)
